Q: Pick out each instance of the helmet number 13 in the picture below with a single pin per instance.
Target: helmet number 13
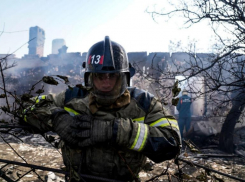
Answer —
(95, 59)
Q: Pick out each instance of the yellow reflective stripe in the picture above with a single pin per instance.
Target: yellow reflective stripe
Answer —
(25, 119)
(26, 110)
(141, 137)
(71, 111)
(163, 122)
(42, 97)
(140, 120)
(136, 138)
(145, 138)
(37, 99)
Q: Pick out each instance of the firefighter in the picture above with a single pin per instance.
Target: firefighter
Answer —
(107, 129)
(183, 106)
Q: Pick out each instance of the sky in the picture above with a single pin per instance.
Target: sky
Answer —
(81, 23)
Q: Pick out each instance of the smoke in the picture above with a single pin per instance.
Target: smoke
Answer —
(30, 70)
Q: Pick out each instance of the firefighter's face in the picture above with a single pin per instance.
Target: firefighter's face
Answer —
(105, 82)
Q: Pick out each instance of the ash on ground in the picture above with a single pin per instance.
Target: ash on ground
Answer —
(34, 149)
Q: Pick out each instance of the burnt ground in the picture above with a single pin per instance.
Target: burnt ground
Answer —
(35, 150)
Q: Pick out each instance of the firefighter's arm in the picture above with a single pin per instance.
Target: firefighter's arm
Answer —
(40, 111)
(158, 137)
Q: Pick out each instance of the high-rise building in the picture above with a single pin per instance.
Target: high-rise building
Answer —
(57, 44)
(36, 41)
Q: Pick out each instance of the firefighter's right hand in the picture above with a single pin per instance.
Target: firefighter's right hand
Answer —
(62, 126)
(91, 131)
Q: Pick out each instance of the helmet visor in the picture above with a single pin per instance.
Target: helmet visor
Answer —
(108, 85)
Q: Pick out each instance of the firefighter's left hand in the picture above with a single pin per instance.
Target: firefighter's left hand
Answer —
(90, 131)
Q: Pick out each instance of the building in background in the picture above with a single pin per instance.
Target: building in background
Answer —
(36, 41)
(57, 44)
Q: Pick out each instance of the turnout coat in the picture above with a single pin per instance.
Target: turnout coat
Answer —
(146, 130)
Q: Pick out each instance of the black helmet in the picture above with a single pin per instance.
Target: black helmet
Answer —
(107, 57)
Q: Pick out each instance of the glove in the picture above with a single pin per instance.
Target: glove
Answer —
(62, 126)
(90, 131)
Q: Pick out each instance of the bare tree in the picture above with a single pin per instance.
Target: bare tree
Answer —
(224, 70)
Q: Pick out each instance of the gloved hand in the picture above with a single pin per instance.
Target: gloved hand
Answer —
(62, 126)
(90, 131)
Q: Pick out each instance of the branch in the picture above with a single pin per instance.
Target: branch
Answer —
(18, 155)
(4, 86)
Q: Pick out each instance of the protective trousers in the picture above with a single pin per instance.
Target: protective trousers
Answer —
(184, 122)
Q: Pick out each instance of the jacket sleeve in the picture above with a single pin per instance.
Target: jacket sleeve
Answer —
(40, 110)
(158, 137)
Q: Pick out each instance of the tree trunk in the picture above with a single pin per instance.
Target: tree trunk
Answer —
(226, 135)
